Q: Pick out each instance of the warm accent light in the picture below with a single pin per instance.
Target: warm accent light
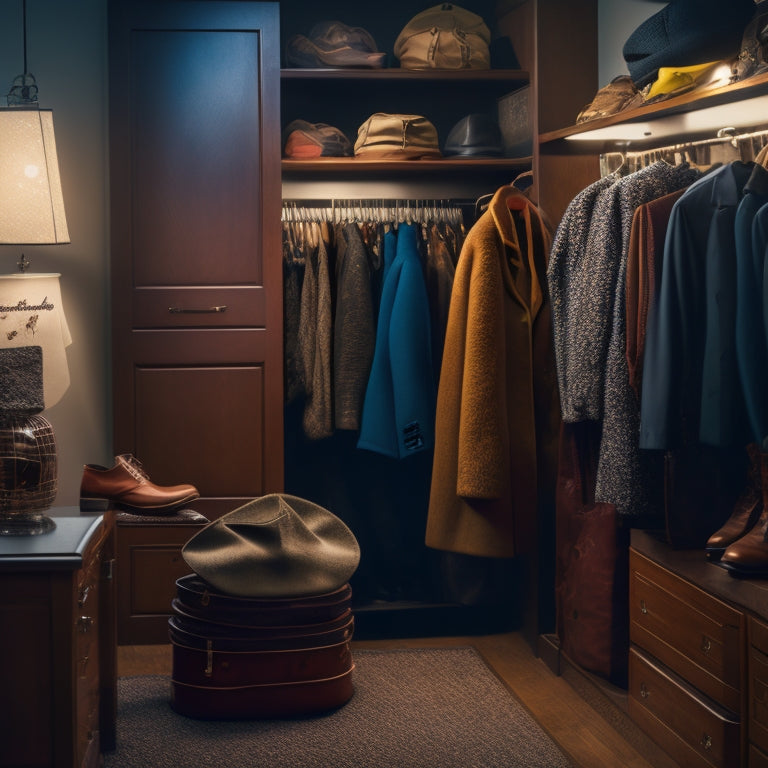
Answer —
(31, 200)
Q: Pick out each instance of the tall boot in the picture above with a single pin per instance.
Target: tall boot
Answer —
(746, 510)
(748, 556)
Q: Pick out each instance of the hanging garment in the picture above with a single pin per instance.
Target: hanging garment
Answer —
(439, 274)
(399, 406)
(315, 334)
(293, 277)
(685, 323)
(497, 411)
(354, 326)
(751, 227)
(625, 477)
(567, 288)
(644, 259)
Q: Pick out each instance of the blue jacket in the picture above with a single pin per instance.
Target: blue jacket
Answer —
(399, 407)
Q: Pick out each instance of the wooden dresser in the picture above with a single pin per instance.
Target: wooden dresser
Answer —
(698, 667)
(58, 671)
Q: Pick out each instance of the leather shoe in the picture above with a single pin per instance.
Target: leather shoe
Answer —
(746, 510)
(128, 486)
(748, 556)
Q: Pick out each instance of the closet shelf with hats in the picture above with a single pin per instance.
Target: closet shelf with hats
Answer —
(741, 105)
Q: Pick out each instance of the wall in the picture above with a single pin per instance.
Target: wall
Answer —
(617, 20)
(66, 52)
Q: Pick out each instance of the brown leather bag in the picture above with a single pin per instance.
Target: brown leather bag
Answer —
(444, 37)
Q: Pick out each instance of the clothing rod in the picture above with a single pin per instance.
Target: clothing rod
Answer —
(724, 136)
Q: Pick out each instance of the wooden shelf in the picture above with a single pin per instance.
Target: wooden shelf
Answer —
(753, 87)
(516, 77)
(353, 165)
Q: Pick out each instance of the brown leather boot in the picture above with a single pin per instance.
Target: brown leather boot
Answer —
(748, 556)
(127, 485)
(746, 510)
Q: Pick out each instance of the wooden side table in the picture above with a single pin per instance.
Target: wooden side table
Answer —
(58, 649)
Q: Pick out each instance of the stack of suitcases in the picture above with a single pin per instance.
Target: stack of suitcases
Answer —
(262, 628)
(237, 657)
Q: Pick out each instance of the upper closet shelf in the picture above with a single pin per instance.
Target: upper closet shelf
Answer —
(338, 166)
(512, 77)
(742, 106)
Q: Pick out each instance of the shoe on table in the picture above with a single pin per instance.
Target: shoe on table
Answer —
(127, 485)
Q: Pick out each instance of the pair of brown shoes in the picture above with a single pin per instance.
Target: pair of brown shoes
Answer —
(741, 544)
(127, 485)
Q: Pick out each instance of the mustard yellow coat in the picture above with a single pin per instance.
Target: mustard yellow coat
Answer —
(498, 416)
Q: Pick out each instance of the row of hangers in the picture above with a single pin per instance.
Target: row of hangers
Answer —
(384, 211)
(726, 147)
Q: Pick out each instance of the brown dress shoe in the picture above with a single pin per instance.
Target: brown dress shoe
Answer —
(128, 486)
(748, 556)
(746, 510)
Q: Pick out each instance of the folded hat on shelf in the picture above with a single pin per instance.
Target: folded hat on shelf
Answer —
(305, 140)
(397, 137)
(334, 44)
(476, 135)
(684, 33)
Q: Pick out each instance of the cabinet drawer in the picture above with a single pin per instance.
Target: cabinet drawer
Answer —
(695, 635)
(758, 684)
(691, 729)
(199, 307)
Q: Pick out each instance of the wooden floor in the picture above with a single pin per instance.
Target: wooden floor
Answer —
(585, 717)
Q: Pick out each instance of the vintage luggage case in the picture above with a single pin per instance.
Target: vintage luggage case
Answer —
(240, 658)
(197, 598)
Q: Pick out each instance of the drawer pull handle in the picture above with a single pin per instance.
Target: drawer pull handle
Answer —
(643, 607)
(83, 596)
(200, 311)
(706, 741)
(85, 623)
(706, 644)
(644, 692)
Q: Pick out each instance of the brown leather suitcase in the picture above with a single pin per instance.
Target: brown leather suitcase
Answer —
(198, 598)
(272, 700)
(212, 668)
(238, 658)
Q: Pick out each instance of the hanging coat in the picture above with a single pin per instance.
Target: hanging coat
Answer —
(497, 415)
(399, 406)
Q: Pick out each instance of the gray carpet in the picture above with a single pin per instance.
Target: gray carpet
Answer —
(422, 708)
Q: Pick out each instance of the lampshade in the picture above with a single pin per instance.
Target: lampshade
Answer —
(31, 201)
(31, 313)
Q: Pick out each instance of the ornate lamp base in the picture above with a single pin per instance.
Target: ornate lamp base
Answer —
(28, 474)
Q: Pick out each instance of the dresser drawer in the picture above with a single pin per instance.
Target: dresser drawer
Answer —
(694, 634)
(694, 731)
(758, 684)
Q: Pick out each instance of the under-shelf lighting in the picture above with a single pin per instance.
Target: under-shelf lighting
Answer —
(747, 115)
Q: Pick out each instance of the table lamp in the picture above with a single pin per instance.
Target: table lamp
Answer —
(33, 329)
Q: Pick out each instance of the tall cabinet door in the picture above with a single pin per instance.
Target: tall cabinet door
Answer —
(194, 95)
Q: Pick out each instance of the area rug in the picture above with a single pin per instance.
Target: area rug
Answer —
(412, 708)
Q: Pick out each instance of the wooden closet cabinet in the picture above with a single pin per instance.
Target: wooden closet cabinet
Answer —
(57, 645)
(195, 244)
(698, 671)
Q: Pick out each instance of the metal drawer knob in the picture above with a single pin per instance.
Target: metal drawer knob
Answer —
(644, 692)
(706, 644)
(643, 607)
(706, 741)
(85, 623)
